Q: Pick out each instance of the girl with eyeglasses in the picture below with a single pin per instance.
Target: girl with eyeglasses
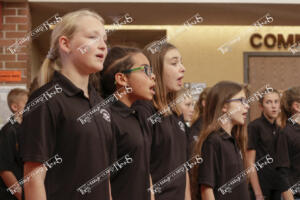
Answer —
(127, 71)
(165, 127)
(222, 145)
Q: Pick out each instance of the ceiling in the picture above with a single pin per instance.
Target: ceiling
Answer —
(176, 14)
(166, 14)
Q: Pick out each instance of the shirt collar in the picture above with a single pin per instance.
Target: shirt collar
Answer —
(224, 134)
(122, 109)
(267, 121)
(68, 87)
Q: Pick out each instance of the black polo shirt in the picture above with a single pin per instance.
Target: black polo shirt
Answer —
(10, 159)
(288, 152)
(130, 140)
(262, 137)
(193, 135)
(168, 149)
(53, 128)
(222, 161)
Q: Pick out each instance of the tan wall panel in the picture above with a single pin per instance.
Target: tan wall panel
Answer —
(279, 72)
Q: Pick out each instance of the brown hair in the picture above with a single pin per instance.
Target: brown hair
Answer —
(119, 58)
(14, 96)
(216, 99)
(161, 98)
(266, 91)
(67, 26)
(288, 98)
(199, 109)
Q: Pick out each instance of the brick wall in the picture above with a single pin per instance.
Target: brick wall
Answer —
(16, 23)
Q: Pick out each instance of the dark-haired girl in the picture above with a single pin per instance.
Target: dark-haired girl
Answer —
(128, 74)
(222, 145)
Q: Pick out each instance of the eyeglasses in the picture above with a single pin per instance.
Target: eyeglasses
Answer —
(147, 69)
(242, 100)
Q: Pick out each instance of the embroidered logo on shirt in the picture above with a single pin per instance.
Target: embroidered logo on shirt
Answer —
(105, 114)
(181, 125)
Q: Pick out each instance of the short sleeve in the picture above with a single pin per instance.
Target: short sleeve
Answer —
(252, 137)
(38, 135)
(207, 171)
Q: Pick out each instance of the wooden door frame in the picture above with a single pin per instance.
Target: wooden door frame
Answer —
(247, 55)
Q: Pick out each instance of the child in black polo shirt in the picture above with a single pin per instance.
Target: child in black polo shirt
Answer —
(222, 145)
(66, 141)
(11, 166)
(262, 137)
(187, 109)
(165, 125)
(288, 144)
(127, 71)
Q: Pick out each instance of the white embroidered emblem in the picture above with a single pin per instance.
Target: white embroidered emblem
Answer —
(105, 114)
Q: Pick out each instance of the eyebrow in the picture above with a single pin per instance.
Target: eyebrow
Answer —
(98, 33)
(141, 65)
(174, 58)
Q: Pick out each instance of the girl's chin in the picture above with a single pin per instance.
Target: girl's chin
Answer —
(93, 69)
(239, 122)
(145, 96)
(96, 68)
(242, 122)
(149, 97)
(175, 89)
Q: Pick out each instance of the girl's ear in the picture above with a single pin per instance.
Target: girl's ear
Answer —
(296, 106)
(14, 107)
(225, 108)
(64, 44)
(121, 79)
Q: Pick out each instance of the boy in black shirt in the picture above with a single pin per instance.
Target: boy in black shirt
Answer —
(262, 137)
(11, 167)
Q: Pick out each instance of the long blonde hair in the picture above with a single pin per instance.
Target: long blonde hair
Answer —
(66, 27)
